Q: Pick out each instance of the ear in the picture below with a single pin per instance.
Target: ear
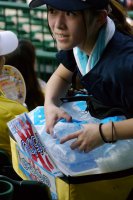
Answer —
(102, 18)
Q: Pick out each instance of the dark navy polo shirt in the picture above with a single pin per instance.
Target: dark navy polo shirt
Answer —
(111, 79)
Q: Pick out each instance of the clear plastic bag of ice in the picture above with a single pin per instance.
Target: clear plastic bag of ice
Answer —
(72, 160)
(106, 158)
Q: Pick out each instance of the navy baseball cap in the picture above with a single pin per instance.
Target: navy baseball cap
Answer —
(71, 5)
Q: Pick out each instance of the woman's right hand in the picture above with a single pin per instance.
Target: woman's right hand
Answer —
(53, 114)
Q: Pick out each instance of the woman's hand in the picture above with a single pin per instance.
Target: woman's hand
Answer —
(88, 138)
(53, 114)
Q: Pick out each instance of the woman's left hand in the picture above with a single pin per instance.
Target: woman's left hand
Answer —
(88, 138)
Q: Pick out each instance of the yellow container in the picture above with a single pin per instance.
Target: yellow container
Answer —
(107, 186)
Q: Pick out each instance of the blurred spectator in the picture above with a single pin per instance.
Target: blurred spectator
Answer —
(24, 59)
(128, 4)
(8, 108)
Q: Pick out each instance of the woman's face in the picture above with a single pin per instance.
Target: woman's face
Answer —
(68, 28)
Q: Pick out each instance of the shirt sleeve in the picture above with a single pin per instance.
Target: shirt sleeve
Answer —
(67, 59)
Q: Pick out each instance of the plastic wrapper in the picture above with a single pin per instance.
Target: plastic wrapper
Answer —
(106, 158)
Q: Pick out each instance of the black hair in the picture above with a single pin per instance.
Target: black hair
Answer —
(119, 15)
(23, 58)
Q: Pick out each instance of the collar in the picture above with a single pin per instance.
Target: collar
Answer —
(85, 63)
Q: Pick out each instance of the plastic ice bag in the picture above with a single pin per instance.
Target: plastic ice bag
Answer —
(72, 161)
(106, 158)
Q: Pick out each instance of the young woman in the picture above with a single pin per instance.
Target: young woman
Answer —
(94, 39)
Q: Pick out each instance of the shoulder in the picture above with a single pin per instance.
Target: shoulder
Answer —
(122, 41)
(67, 59)
(119, 50)
(9, 108)
(64, 53)
(118, 56)
(123, 49)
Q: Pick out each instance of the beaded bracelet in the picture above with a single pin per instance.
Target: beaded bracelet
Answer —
(102, 135)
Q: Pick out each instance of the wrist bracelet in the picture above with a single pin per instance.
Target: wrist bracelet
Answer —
(113, 133)
(103, 137)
